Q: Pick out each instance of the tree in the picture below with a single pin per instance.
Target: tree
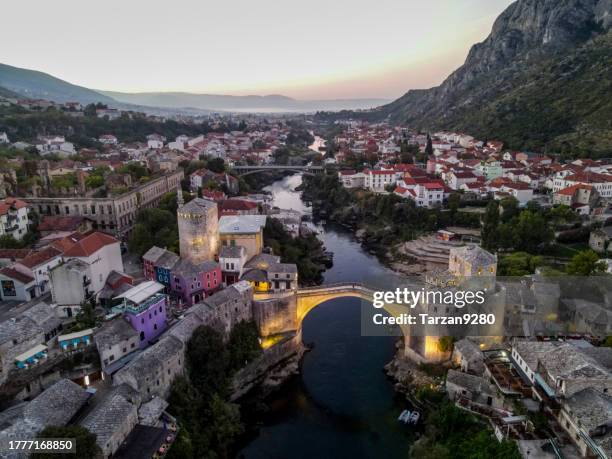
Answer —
(224, 424)
(510, 208)
(243, 344)
(85, 441)
(208, 361)
(429, 146)
(489, 226)
(7, 241)
(216, 165)
(454, 200)
(586, 263)
(518, 264)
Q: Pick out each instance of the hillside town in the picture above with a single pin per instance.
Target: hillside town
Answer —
(94, 332)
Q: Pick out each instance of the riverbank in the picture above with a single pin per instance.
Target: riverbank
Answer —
(393, 229)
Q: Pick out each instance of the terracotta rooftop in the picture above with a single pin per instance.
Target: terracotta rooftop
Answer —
(40, 257)
(11, 203)
(60, 223)
(90, 244)
(16, 275)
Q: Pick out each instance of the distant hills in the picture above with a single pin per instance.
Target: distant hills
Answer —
(541, 80)
(39, 85)
(272, 102)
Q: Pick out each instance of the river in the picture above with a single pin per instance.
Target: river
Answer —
(342, 404)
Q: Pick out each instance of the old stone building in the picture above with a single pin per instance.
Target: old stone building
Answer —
(198, 225)
(115, 214)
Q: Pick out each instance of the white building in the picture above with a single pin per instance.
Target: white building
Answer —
(101, 252)
(456, 179)
(55, 144)
(377, 180)
(107, 139)
(520, 191)
(232, 260)
(4, 138)
(14, 218)
(352, 179)
(601, 182)
(155, 141)
(70, 286)
(38, 265)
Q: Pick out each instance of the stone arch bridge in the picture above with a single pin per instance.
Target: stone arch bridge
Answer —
(280, 313)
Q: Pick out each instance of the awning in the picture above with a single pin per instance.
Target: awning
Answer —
(75, 335)
(544, 385)
(31, 353)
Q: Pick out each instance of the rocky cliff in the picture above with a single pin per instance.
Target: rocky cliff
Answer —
(530, 38)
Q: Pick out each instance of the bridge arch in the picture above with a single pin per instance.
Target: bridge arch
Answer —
(284, 312)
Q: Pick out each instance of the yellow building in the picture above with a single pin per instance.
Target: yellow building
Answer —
(243, 230)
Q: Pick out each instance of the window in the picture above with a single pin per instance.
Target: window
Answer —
(133, 345)
(155, 326)
(142, 336)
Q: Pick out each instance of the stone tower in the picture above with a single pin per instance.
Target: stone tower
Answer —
(198, 225)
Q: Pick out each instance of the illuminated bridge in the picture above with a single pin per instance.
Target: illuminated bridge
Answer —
(279, 313)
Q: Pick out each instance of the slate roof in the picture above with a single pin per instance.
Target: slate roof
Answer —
(241, 224)
(198, 205)
(105, 418)
(285, 268)
(153, 254)
(229, 251)
(592, 409)
(149, 361)
(475, 255)
(58, 404)
(470, 382)
(114, 331)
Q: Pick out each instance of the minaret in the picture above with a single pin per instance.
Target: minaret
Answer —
(179, 197)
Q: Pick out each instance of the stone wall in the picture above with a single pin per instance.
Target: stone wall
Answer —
(277, 315)
(272, 368)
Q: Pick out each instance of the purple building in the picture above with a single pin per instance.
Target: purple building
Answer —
(144, 307)
(191, 283)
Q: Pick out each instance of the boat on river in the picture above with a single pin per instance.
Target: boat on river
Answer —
(404, 416)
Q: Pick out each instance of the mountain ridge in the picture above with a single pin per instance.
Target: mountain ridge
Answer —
(529, 36)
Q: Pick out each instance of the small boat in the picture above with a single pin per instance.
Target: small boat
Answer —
(414, 417)
(404, 416)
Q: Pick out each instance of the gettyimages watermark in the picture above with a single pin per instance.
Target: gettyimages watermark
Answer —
(488, 306)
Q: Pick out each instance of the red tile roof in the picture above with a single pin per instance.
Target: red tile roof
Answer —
(40, 257)
(570, 190)
(60, 223)
(14, 254)
(238, 204)
(11, 203)
(90, 244)
(16, 275)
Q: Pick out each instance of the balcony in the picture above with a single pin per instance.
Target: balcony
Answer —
(133, 308)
